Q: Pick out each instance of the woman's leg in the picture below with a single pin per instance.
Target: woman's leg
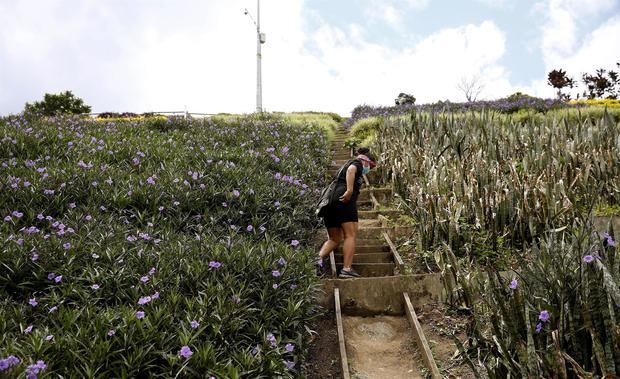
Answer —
(335, 237)
(349, 230)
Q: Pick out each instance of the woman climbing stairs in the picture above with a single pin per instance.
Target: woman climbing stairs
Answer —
(379, 334)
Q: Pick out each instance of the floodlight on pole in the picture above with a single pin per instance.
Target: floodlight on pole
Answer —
(260, 39)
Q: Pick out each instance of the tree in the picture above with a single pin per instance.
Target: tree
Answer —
(602, 83)
(56, 104)
(559, 80)
(405, 99)
(471, 87)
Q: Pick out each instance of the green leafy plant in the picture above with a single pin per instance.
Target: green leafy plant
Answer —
(57, 104)
(172, 247)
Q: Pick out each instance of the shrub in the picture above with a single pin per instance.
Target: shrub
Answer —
(364, 132)
(57, 104)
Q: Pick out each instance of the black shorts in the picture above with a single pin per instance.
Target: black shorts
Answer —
(340, 213)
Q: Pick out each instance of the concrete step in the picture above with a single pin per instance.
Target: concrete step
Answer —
(393, 232)
(369, 296)
(368, 215)
(367, 223)
(385, 257)
(371, 269)
(366, 249)
(372, 241)
(382, 195)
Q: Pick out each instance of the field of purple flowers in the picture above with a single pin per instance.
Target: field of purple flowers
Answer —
(510, 104)
(158, 247)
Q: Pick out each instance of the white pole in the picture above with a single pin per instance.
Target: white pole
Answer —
(259, 87)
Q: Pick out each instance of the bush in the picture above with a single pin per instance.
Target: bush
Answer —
(64, 103)
(364, 132)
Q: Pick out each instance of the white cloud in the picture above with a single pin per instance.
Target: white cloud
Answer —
(564, 45)
(392, 11)
(494, 3)
(140, 56)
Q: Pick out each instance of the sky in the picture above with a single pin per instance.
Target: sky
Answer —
(320, 55)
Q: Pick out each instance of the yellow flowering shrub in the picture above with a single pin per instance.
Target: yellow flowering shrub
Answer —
(609, 103)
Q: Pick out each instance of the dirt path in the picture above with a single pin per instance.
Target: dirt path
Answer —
(380, 347)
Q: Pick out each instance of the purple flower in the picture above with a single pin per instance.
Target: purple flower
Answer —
(289, 364)
(58, 279)
(275, 273)
(28, 329)
(72, 205)
(588, 258)
(278, 176)
(513, 284)
(33, 302)
(95, 286)
(215, 264)
(144, 279)
(33, 370)
(544, 316)
(67, 245)
(289, 347)
(139, 315)
(272, 340)
(236, 193)
(8, 362)
(281, 261)
(194, 324)
(275, 286)
(144, 300)
(7, 218)
(88, 217)
(49, 338)
(294, 243)
(111, 332)
(277, 204)
(155, 296)
(609, 239)
(51, 276)
(538, 327)
(152, 271)
(224, 205)
(249, 228)
(185, 352)
(293, 286)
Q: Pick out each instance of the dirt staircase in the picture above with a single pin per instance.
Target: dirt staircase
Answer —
(374, 342)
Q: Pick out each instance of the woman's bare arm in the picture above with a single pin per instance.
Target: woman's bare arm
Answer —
(351, 171)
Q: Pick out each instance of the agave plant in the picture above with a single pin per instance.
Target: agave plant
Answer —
(480, 182)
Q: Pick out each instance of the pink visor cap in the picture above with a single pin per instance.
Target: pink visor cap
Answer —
(366, 159)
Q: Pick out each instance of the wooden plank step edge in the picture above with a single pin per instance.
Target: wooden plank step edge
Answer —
(343, 351)
(425, 350)
(397, 258)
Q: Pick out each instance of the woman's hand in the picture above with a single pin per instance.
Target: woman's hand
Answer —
(346, 196)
